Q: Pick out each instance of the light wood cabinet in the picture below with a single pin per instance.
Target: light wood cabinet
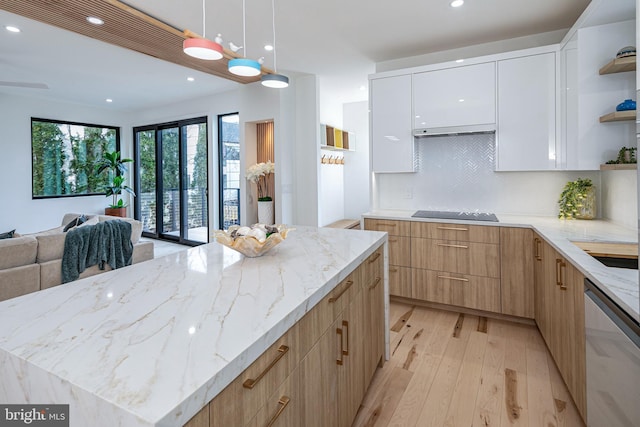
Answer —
(317, 373)
(478, 259)
(559, 298)
(517, 271)
(400, 233)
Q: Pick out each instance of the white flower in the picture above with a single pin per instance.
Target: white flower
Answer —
(257, 173)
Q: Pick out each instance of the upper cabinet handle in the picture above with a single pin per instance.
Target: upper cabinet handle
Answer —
(251, 383)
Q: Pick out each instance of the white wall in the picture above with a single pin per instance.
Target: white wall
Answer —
(456, 173)
(619, 197)
(356, 168)
(20, 210)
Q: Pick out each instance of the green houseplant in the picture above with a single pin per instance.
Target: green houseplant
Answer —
(578, 200)
(116, 167)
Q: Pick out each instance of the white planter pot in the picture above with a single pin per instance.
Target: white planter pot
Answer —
(266, 213)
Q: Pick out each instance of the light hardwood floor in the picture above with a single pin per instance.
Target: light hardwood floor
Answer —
(449, 369)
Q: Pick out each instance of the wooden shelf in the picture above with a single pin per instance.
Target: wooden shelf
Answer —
(619, 65)
(333, 148)
(618, 116)
(618, 166)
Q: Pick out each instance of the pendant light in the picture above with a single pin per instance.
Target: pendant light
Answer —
(275, 80)
(244, 67)
(202, 48)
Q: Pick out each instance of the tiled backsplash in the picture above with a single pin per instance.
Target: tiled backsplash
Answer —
(457, 173)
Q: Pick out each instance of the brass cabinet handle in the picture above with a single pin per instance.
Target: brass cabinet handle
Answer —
(563, 285)
(452, 246)
(558, 279)
(393, 240)
(251, 383)
(393, 270)
(283, 402)
(375, 258)
(387, 224)
(345, 324)
(460, 279)
(340, 361)
(378, 279)
(536, 248)
(334, 299)
(453, 228)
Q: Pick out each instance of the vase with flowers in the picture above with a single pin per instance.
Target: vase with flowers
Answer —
(259, 174)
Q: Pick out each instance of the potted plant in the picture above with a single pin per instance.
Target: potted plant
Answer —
(259, 173)
(116, 168)
(578, 200)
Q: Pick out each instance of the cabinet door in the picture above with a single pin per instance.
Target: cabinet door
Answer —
(541, 300)
(478, 259)
(455, 96)
(391, 133)
(400, 281)
(516, 271)
(282, 408)
(526, 135)
(373, 297)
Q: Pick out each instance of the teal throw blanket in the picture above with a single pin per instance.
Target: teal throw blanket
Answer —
(106, 242)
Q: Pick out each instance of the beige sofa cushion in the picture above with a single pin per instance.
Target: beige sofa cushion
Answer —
(50, 244)
(19, 281)
(18, 251)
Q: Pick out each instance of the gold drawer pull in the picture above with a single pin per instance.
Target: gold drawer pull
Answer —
(340, 361)
(334, 299)
(453, 228)
(393, 270)
(536, 248)
(558, 273)
(251, 383)
(386, 224)
(345, 324)
(378, 279)
(393, 240)
(460, 279)
(375, 258)
(283, 402)
(453, 246)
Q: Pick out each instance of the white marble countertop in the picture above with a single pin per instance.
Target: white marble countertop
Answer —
(621, 285)
(153, 343)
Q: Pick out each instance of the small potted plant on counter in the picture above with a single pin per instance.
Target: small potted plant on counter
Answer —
(578, 200)
(116, 168)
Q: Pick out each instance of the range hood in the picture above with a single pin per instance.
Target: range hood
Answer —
(454, 130)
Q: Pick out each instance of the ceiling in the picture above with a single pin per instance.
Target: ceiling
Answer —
(338, 40)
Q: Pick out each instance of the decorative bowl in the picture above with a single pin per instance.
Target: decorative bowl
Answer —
(626, 105)
(626, 51)
(250, 246)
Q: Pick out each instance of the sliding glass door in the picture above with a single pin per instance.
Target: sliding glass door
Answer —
(171, 180)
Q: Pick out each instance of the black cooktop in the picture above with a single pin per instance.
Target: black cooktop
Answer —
(467, 216)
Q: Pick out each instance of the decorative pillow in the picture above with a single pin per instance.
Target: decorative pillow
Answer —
(8, 234)
(75, 222)
(91, 221)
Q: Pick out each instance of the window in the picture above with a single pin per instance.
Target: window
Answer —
(64, 157)
(229, 146)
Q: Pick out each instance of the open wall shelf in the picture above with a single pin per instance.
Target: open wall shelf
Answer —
(336, 139)
(619, 65)
(618, 116)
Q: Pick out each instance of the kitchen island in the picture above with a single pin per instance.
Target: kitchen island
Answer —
(152, 344)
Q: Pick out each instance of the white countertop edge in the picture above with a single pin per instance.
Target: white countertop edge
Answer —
(614, 282)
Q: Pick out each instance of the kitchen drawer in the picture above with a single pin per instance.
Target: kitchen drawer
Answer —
(240, 401)
(481, 293)
(394, 228)
(400, 251)
(459, 232)
(477, 259)
(400, 281)
(373, 268)
(340, 298)
(282, 408)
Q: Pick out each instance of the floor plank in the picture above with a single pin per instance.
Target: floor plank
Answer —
(448, 369)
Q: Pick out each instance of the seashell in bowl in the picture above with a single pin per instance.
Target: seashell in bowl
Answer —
(252, 241)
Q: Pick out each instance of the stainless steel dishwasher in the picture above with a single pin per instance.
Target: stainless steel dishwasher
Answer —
(613, 362)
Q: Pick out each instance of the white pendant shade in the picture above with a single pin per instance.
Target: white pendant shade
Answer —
(202, 49)
(244, 67)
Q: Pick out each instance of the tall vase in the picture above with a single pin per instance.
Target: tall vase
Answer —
(265, 212)
(587, 209)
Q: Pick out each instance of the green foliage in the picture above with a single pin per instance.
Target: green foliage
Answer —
(116, 167)
(572, 197)
(623, 157)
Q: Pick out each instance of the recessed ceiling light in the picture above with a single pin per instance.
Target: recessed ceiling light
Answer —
(12, 29)
(190, 79)
(109, 100)
(94, 20)
(459, 60)
(457, 3)
(268, 47)
(460, 100)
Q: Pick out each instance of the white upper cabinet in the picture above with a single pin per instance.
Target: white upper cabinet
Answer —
(453, 97)
(391, 134)
(526, 135)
